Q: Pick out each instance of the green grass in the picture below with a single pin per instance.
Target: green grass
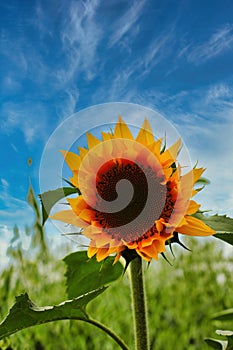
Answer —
(180, 298)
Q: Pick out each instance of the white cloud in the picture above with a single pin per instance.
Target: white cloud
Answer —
(80, 38)
(29, 117)
(11, 49)
(157, 51)
(214, 151)
(207, 131)
(218, 43)
(127, 22)
(10, 84)
(4, 183)
(204, 120)
(69, 103)
(219, 93)
(125, 78)
(15, 212)
(5, 236)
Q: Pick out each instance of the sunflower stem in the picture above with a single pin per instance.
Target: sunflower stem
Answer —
(139, 305)
(113, 335)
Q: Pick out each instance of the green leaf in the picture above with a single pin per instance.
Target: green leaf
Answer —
(226, 237)
(15, 234)
(230, 342)
(50, 198)
(203, 181)
(25, 313)
(229, 336)
(222, 224)
(226, 315)
(216, 344)
(38, 238)
(84, 275)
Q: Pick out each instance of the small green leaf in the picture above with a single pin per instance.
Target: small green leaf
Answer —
(15, 234)
(25, 313)
(203, 181)
(216, 344)
(226, 315)
(38, 238)
(50, 198)
(84, 275)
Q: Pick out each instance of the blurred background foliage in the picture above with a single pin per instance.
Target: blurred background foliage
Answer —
(181, 298)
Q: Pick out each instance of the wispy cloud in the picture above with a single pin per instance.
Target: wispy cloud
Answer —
(68, 103)
(80, 38)
(4, 183)
(211, 144)
(218, 93)
(206, 130)
(157, 51)
(125, 24)
(127, 75)
(28, 117)
(219, 42)
(203, 118)
(17, 211)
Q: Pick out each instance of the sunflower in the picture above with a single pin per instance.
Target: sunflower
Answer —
(134, 197)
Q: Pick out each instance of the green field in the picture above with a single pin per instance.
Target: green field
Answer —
(180, 298)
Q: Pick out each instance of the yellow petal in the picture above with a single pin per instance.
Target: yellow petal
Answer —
(167, 172)
(191, 177)
(130, 245)
(119, 250)
(143, 255)
(91, 231)
(145, 135)
(101, 240)
(83, 152)
(121, 130)
(193, 207)
(72, 159)
(197, 172)
(106, 136)
(174, 149)
(151, 251)
(195, 227)
(77, 204)
(87, 215)
(91, 250)
(92, 141)
(74, 179)
(169, 156)
(102, 254)
(69, 217)
(155, 147)
(117, 258)
(159, 225)
(145, 242)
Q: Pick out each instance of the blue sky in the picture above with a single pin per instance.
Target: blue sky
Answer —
(58, 57)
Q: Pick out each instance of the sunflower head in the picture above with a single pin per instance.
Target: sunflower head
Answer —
(134, 197)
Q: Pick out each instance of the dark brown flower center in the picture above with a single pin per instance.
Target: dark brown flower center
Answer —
(147, 203)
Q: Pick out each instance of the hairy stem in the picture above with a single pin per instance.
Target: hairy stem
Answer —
(113, 335)
(139, 305)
